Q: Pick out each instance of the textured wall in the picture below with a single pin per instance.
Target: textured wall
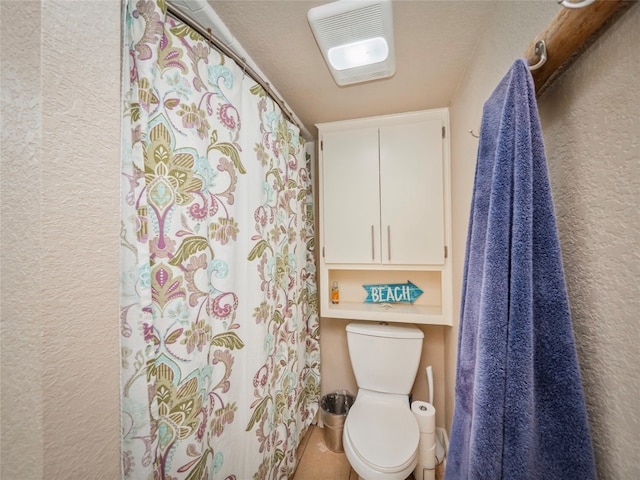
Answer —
(80, 210)
(591, 126)
(60, 278)
(20, 237)
(591, 123)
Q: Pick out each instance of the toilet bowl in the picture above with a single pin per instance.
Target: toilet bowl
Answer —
(381, 437)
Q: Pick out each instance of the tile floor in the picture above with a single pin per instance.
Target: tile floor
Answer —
(317, 462)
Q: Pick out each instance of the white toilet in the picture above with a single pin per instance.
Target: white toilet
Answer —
(381, 434)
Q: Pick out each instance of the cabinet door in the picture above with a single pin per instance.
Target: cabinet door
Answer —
(351, 196)
(412, 193)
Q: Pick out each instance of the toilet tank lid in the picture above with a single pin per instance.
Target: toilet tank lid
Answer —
(384, 329)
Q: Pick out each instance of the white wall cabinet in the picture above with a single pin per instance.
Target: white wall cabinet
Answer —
(384, 214)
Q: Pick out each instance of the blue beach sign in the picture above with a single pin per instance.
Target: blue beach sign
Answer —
(392, 293)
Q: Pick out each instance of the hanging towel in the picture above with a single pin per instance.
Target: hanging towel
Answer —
(519, 408)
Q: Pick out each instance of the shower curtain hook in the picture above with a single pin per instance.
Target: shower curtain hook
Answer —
(541, 51)
(568, 4)
(473, 134)
(244, 66)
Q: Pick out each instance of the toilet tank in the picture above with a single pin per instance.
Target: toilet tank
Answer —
(384, 357)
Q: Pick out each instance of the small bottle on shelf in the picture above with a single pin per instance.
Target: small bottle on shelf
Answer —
(335, 293)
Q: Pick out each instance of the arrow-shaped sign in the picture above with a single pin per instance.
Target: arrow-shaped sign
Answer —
(392, 293)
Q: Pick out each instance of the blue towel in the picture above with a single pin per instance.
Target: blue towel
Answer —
(519, 407)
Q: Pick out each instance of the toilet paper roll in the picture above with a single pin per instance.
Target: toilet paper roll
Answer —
(425, 414)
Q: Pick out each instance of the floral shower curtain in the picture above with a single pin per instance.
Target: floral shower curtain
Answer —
(219, 325)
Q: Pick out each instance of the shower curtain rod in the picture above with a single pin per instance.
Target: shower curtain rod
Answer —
(569, 34)
(217, 43)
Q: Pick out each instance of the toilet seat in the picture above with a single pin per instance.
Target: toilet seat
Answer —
(383, 433)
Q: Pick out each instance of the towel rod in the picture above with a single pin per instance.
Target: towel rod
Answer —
(569, 33)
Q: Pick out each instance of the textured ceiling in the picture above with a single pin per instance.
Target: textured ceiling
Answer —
(434, 43)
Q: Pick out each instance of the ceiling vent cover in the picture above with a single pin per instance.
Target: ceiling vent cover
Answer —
(356, 39)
